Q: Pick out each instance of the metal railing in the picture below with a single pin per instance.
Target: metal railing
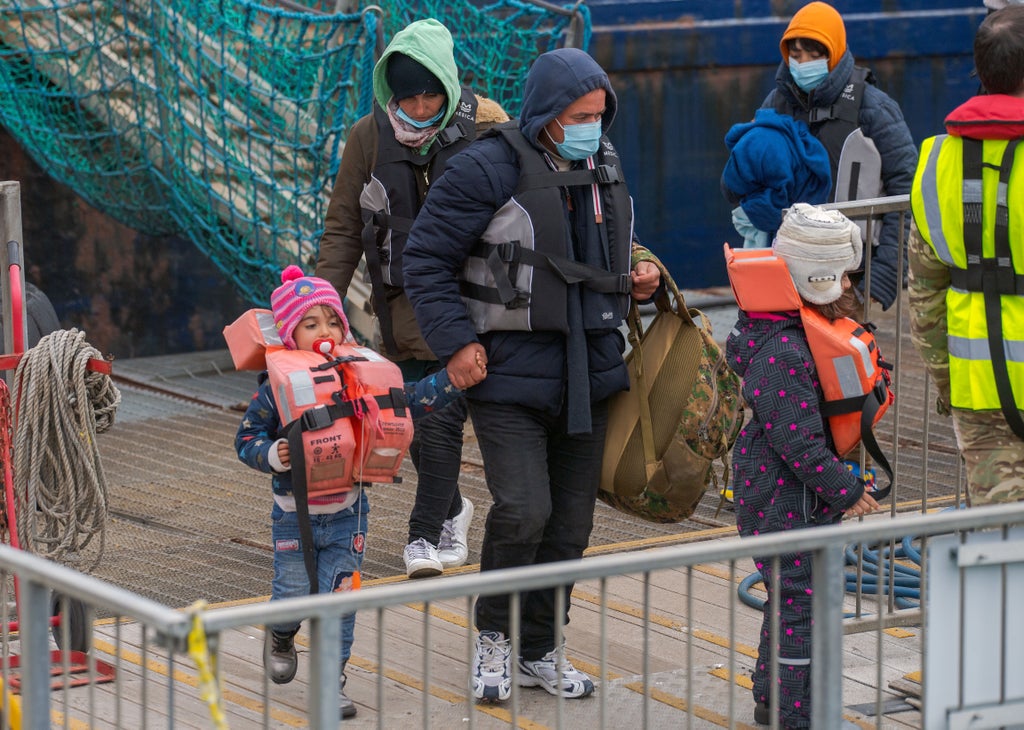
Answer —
(167, 635)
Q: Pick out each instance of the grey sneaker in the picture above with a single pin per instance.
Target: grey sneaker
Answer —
(347, 706)
(421, 559)
(554, 677)
(453, 548)
(492, 667)
(280, 661)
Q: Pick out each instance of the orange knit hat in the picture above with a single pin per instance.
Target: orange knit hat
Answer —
(819, 22)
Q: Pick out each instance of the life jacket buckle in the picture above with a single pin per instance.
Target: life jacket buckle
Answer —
(508, 252)
(607, 174)
(820, 114)
(316, 418)
(520, 300)
(451, 134)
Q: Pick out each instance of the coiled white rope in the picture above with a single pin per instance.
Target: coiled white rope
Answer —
(60, 488)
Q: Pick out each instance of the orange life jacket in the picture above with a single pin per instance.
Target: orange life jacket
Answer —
(854, 378)
(347, 407)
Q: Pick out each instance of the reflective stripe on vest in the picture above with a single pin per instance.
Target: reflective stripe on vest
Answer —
(351, 411)
(507, 282)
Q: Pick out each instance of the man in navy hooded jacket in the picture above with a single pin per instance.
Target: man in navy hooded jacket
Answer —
(519, 268)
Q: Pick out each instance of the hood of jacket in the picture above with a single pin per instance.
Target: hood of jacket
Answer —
(990, 116)
(430, 44)
(557, 79)
(825, 94)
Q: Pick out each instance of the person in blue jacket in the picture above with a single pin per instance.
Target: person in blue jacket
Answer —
(523, 258)
(871, 151)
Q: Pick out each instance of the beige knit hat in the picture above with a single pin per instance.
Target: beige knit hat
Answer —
(818, 246)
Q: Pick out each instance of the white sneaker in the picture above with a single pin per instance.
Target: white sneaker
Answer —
(452, 549)
(421, 559)
(492, 667)
(545, 672)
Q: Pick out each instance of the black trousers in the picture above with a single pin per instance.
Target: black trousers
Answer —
(544, 485)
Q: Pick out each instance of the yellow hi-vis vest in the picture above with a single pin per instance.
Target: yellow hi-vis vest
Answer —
(968, 203)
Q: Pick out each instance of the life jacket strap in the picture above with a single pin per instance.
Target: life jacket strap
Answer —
(600, 175)
(503, 258)
(372, 237)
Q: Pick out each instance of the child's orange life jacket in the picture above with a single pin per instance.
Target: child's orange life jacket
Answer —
(347, 407)
(854, 378)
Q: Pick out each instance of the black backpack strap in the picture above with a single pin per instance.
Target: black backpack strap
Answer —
(872, 402)
(868, 406)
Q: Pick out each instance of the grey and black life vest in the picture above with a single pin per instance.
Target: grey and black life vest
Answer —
(517, 277)
(392, 198)
(855, 162)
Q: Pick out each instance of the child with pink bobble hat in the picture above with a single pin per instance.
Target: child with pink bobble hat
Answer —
(309, 316)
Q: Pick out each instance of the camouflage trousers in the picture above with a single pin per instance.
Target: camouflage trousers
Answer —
(993, 455)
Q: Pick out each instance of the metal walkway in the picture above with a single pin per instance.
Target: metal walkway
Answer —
(189, 521)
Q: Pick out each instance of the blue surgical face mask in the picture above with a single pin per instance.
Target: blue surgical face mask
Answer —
(810, 74)
(419, 125)
(580, 141)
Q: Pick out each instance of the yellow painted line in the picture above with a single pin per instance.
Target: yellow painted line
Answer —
(914, 676)
(741, 680)
(745, 682)
(447, 616)
(456, 699)
(665, 622)
(57, 719)
(592, 669)
(178, 675)
(697, 711)
(899, 633)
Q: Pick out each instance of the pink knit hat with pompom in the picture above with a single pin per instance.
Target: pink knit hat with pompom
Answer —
(295, 296)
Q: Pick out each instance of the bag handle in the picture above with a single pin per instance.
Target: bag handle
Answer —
(670, 301)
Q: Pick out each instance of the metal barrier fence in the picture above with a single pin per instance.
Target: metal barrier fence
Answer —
(189, 673)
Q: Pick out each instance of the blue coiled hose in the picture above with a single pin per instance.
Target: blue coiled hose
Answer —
(875, 570)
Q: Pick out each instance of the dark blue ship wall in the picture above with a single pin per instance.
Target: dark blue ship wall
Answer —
(686, 71)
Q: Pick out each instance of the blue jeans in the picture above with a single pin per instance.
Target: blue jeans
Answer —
(436, 453)
(339, 543)
(544, 486)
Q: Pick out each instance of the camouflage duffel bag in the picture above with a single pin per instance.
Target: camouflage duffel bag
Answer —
(683, 410)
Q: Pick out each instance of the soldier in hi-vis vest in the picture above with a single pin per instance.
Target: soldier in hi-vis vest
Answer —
(966, 257)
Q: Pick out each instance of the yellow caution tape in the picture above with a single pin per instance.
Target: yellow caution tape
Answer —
(199, 650)
(12, 706)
